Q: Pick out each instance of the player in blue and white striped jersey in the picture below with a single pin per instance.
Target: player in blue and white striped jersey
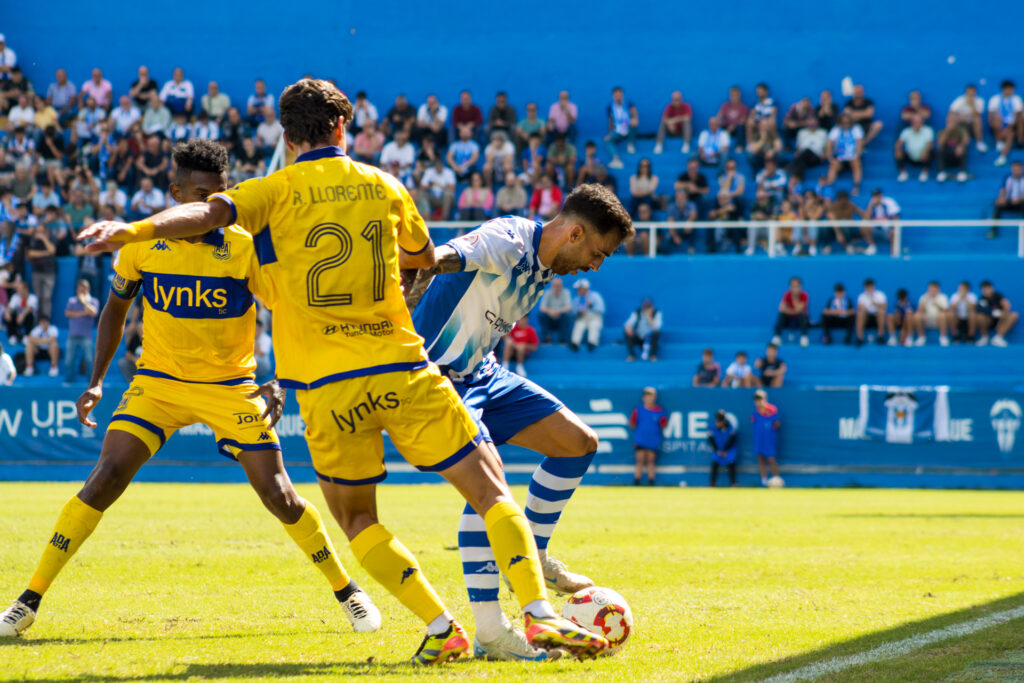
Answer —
(481, 284)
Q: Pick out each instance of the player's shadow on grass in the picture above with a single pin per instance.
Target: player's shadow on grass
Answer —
(29, 641)
(925, 515)
(867, 642)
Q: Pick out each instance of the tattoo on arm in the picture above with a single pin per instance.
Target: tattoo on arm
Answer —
(448, 261)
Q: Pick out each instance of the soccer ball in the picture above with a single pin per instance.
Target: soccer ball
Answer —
(601, 611)
(776, 483)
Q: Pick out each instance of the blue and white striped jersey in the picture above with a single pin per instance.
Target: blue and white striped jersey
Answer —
(462, 316)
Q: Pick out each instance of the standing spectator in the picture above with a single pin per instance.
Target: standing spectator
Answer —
(772, 368)
(763, 143)
(142, 89)
(20, 314)
(97, 88)
(400, 117)
(215, 103)
(709, 373)
(431, 119)
(994, 313)
(399, 150)
(511, 199)
(722, 438)
(1006, 120)
(501, 117)
(147, 201)
(43, 336)
(952, 150)
(933, 313)
(765, 420)
(520, 342)
(261, 351)
(914, 147)
(63, 96)
(466, 115)
(623, 120)
(967, 111)
(902, 319)
(643, 328)
(531, 125)
(463, 154)
(178, 93)
(739, 373)
(1011, 196)
(476, 201)
(844, 149)
(589, 309)
(156, 119)
(555, 309)
(838, 315)
(368, 143)
(811, 141)
(642, 186)
(257, 103)
(648, 420)
(268, 132)
(125, 116)
(8, 373)
(862, 113)
(915, 106)
(438, 185)
(562, 117)
(42, 255)
(81, 312)
(764, 110)
(962, 313)
(798, 117)
(497, 155)
(793, 312)
(676, 122)
(871, 308)
(713, 144)
(363, 111)
(733, 117)
(546, 201)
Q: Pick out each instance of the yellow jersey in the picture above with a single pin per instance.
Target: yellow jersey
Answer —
(327, 231)
(199, 321)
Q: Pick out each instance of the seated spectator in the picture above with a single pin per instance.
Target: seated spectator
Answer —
(763, 110)
(42, 337)
(933, 313)
(731, 186)
(511, 199)
(368, 143)
(431, 119)
(1011, 196)
(463, 154)
(205, 128)
(561, 160)
(799, 116)
(90, 117)
(46, 116)
(147, 201)
(643, 328)
(805, 232)
(694, 183)
(952, 150)
(179, 130)
(763, 209)
(903, 320)
(97, 88)
(142, 88)
(601, 177)
(838, 315)
(562, 117)
(915, 106)
(732, 116)
(640, 242)
(531, 125)
(437, 190)
(363, 111)
(476, 201)
(871, 308)
(879, 208)
(257, 103)
(739, 374)
(862, 113)
(261, 351)
(215, 103)
(81, 311)
(113, 195)
(156, 119)
(843, 151)
(772, 180)
(967, 111)
(248, 162)
(709, 373)
(914, 147)
(501, 118)
(399, 150)
(125, 115)
(722, 439)
(520, 342)
(233, 131)
(268, 132)
(20, 314)
(793, 312)
(555, 309)
(994, 313)
(57, 228)
(466, 115)
(842, 208)
(546, 201)
(400, 117)
(642, 186)
(623, 120)
(154, 162)
(63, 96)
(534, 159)
(772, 369)
(763, 143)
(22, 114)
(713, 144)
(495, 155)
(8, 373)
(676, 122)
(962, 314)
(674, 240)
(811, 141)
(45, 197)
(1006, 120)
(588, 307)
(178, 93)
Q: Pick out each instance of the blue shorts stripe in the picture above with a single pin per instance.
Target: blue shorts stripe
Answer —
(544, 493)
(353, 482)
(473, 539)
(163, 375)
(142, 423)
(483, 594)
(350, 374)
(542, 517)
(455, 457)
(272, 446)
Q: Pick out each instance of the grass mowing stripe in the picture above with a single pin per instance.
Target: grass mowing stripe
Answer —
(900, 647)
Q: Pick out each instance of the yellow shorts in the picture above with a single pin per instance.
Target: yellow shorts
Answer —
(420, 411)
(153, 408)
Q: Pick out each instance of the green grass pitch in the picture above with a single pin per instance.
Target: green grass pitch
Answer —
(198, 582)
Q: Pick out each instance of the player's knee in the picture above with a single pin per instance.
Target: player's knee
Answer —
(587, 442)
(282, 501)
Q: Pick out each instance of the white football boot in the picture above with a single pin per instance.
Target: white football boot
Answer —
(16, 619)
(511, 646)
(362, 613)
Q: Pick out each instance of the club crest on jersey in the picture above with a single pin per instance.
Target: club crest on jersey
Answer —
(223, 252)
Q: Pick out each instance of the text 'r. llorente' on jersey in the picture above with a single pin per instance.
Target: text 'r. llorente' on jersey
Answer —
(462, 316)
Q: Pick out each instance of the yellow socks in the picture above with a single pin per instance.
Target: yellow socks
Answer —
(77, 520)
(395, 568)
(516, 551)
(311, 536)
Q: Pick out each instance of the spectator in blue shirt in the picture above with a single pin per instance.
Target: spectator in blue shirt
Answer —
(463, 154)
(647, 422)
(722, 439)
(81, 312)
(623, 120)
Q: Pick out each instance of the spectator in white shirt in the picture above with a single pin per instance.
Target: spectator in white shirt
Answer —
(157, 117)
(215, 103)
(589, 309)
(438, 189)
(871, 306)
(969, 110)
(398, 150)
(43, 336)
(643, 328)
(1011, 196)
(205, 127)
(22, 114)
(914, 146)
(8, 59)
(962, 313)
(258, 102)
(125, 115)
(555, 310)
(739, 373)
(112, 195)
(8, 373)
(363, 110)
(810, 148)
(1006, 120)
(843, 151)
(495, 155)
(90, 118)
(713, 144)
(431, 119)
(879, 208)
(268, 132)
(178, 93)
(933, 313)
(20, 314)
(148, 200)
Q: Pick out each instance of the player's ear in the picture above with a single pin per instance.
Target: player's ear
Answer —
(176, 192)
(288, 143)
(576, 233)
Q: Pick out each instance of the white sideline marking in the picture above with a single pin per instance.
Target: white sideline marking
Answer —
(900, 647)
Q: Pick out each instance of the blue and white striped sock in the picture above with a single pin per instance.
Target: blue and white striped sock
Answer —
(481, 572)
(553, 484)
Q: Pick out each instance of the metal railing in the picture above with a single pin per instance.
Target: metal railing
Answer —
(895, 227)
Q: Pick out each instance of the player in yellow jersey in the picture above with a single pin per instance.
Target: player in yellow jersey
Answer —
(197, 366)
(331, 236)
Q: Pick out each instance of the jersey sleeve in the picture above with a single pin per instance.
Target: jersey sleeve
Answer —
(253, 200)
(413, 235)
(495, 247)
(127, 276)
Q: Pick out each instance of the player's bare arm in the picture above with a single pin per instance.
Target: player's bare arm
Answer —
(446, 260)
(184, 220)
(108, 338)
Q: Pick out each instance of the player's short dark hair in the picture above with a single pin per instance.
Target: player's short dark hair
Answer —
(310, 110)
(204, 156)
(598, 207)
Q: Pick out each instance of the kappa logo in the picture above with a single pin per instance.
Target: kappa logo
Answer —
(1006, 415)
(264, 437)
(489, 568)
(160, 246)
(409, 571)
(516, 560)
(223, 252)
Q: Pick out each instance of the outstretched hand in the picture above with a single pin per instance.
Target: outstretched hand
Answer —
(86, 402)
(274, 395)
(106, 236)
